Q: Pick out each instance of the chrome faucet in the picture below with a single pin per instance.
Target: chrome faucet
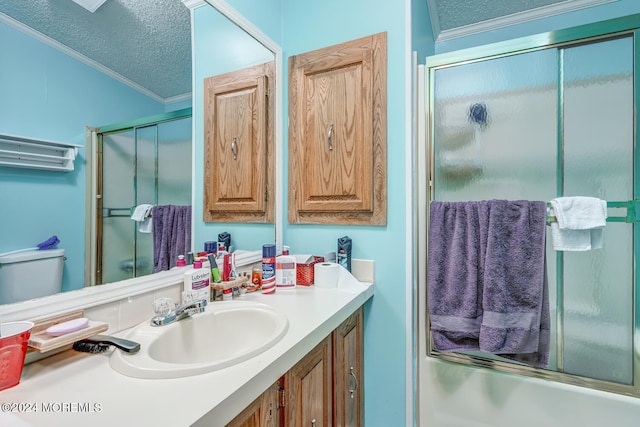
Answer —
(164, 315)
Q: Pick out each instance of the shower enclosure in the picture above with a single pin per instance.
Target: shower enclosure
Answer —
(147, 161)
(532, 121)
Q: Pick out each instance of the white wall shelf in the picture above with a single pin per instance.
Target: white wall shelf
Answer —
(31, 153)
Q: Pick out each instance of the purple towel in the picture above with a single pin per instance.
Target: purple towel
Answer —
(455, 271)
(171, 235)
(487, 287)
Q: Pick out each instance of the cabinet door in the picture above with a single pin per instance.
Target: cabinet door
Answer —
(348, 370)
(309, 389)
(260, 413)
(337, 134)
(238, 169)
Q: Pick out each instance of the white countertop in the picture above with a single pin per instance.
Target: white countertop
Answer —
(80, 389)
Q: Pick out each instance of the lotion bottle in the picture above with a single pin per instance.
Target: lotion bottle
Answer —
(285, 272)
(197, 283)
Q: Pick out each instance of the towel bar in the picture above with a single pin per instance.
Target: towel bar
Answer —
(630, 205)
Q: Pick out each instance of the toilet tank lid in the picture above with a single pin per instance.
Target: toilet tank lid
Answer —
(31, 255)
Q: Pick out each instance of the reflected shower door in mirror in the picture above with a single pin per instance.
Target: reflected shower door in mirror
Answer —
(137, 167)
(235, 81)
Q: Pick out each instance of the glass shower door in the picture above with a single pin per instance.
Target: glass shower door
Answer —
(543, 124)
(116, 239)
(598, 140)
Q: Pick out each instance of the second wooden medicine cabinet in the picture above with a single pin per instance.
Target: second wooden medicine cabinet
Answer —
(239, 146)
(337, 134)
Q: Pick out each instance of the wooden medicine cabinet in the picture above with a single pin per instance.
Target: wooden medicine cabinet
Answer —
(337, 134)
(239, 146)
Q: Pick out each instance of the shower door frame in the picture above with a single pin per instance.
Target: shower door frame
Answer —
(93, 239)
(425, 165)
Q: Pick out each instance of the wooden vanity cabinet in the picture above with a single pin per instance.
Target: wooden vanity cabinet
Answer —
(338, 133)
(348, 358)
(262, 412)
(239, 146)
(324, 389)
(326, 385)
(308, 387)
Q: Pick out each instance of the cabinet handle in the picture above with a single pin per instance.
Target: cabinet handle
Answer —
(353, 375)
(330, 137)
(234, 148)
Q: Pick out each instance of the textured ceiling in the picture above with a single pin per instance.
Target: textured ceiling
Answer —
(458, 13)
(148, 42)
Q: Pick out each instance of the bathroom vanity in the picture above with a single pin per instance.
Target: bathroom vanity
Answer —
(73, 388)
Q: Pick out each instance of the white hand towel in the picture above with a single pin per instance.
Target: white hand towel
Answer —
(579, 225)
(142, 214)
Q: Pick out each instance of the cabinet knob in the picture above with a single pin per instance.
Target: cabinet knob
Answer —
(313, 422)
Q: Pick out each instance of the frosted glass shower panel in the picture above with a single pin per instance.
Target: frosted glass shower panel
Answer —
(598, 162)
(118, 154)
(495, 127)
(145, 193)
(174, 162)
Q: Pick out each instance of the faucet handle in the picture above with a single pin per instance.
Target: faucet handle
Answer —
(163, 306)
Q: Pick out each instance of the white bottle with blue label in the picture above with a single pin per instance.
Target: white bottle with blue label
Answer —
(197, 283)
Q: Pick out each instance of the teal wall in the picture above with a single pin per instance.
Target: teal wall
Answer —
(264, 14)
(221, 46)
(47, 94)
(311, 25)
(422, 41)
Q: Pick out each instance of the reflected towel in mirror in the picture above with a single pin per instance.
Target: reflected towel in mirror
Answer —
(142, 214)
(171, 235)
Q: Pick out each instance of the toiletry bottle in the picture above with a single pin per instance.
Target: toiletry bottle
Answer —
(211, 247)
(344, 252)
(181, 262)
(215, 278)
(286, 272)
(225, 239)
(197, 282)
(269, 269)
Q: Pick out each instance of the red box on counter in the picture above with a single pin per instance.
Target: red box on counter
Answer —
(304, 268)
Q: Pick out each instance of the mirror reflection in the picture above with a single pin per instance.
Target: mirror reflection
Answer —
(52, 93)
(228, 55)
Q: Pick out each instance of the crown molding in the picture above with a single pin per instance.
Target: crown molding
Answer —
(513, 19)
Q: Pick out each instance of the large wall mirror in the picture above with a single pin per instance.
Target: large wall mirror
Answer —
(48, 93)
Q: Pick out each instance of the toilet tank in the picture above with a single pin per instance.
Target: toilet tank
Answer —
(30, 274)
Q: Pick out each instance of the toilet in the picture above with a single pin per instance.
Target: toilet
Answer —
(30, 274)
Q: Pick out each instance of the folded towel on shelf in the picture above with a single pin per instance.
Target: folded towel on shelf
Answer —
(142, 214)
(579, 223)
(487, 287)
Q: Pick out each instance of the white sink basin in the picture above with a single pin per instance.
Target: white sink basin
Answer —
(228, 332)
